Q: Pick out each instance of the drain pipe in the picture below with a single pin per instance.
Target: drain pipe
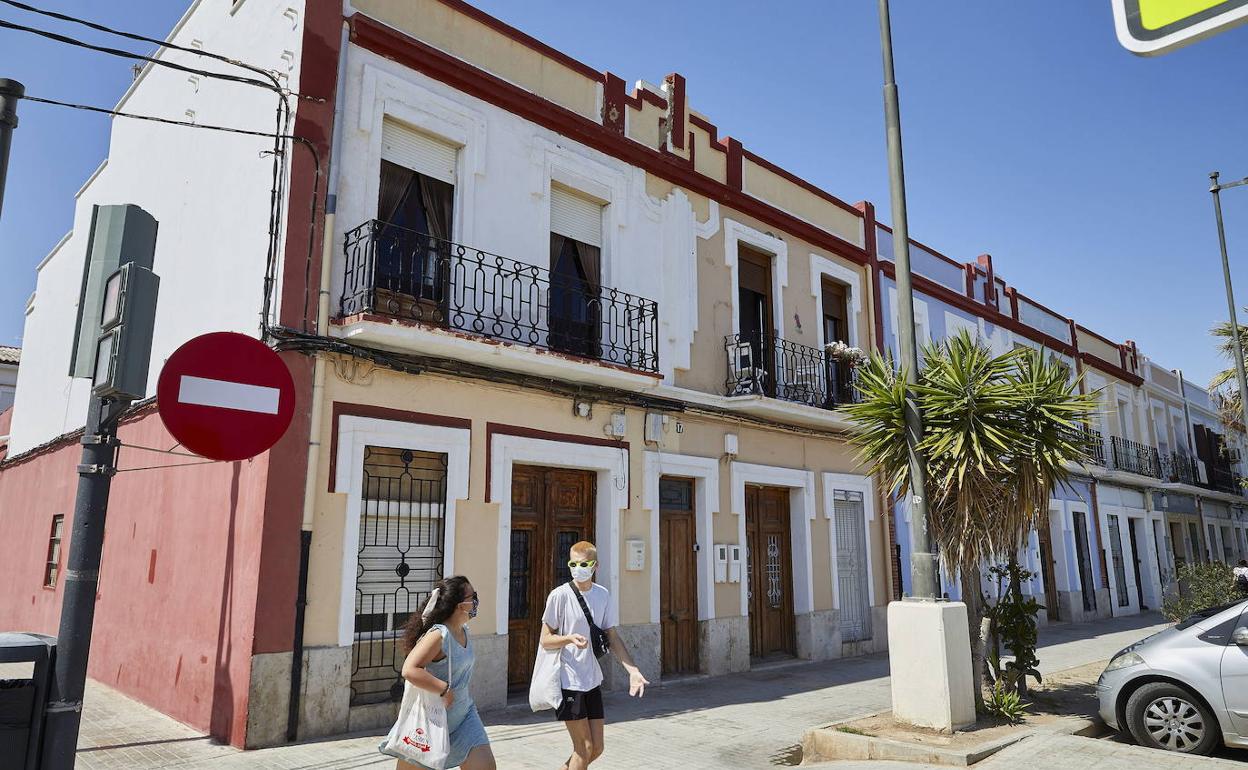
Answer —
(318, 401)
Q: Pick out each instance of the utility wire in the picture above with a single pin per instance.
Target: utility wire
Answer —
(154, 119)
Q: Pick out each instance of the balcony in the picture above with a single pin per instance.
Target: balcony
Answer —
(1096, 444)
(1179, 468)
(1223, 479)
(1135, 458)
(410, 276)
(766, 365)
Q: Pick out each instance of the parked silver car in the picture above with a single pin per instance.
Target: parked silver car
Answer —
(1186, 688)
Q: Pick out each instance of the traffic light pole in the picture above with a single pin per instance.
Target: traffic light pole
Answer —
(11, 93)
(82, 569)
(1216, 190)
(922, 560)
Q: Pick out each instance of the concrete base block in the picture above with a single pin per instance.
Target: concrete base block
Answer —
(724, 645)
(644, 642)
(326, 702)
(373, 716)
(879, 636)
(930, 664)
(1104, 604)
(489, 673)
(268, 700)
(818, 635)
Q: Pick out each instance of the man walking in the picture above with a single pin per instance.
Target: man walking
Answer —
(579, 621)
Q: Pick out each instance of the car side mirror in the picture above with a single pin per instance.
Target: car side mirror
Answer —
(1240, 636)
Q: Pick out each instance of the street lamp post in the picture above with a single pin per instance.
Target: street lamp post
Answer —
(922, 560)
(1215, 189)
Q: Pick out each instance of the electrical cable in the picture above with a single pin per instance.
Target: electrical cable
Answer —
(170, 121)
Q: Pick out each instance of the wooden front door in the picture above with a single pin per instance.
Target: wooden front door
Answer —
(769, 565)
(551, 509)
(678, 577)
(1048, 572)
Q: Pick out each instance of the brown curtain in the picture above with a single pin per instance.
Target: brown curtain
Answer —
(439, 200)
(591, 263)
(556, 248)
(395, 181)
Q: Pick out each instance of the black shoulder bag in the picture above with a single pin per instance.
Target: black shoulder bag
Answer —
(598, 639)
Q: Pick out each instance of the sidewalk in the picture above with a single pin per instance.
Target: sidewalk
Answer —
(752, 720)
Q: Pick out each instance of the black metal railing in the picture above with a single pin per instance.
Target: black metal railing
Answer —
(764, 364)
(402, 273)
(1179, 468)
(1135, 458)
(1095, 441)
(1222, 479)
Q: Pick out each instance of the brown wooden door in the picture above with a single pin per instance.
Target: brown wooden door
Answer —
(678, 577)
(769, 565)
(551, 509)
(1048, 569)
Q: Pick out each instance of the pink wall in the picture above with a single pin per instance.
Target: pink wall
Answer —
(175, 618)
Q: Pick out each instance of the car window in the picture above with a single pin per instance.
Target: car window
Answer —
(1205, 614)
(1221, 633)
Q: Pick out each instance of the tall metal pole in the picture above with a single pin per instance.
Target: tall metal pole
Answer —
(82, 569)
(11, 93)
(922, 560)
(1216, 189)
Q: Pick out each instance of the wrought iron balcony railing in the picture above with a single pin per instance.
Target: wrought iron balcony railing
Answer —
(1223, 479)
(398, 272)
(1179, 468)
(1096, 443)
(767, 365)
(1135, 458)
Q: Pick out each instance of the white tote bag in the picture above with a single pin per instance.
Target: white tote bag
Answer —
(420, 734)
(546, 689)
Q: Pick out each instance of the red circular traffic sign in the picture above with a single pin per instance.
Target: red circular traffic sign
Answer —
(226, 396)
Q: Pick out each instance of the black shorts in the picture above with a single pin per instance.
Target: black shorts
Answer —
(578, 705)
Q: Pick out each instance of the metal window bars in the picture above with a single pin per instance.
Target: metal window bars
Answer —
(406, 274)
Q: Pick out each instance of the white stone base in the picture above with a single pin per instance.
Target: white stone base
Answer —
(724, 645)
(929, 655)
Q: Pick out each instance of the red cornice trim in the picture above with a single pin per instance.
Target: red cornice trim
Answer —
(735, 176)
(344, 409)
(873, 263)
(507, 30)
(676, 88)
(1045, 308)
(802, 183)
(410, 52)
(1107, 367)
(614, 103)
(712, 131)
(493, 429)
(1100, 337)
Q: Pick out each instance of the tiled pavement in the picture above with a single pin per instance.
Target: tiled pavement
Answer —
(751, 720)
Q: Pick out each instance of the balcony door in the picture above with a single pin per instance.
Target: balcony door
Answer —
(415, 210)
(574, 302)
(755, 371)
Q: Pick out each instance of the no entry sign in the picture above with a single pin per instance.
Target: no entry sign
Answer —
(226, 396)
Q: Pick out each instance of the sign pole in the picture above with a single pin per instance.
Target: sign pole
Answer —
(82, 569)
(1216, 189)
(11, 92)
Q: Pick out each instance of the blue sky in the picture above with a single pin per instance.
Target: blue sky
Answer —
(1030, 134)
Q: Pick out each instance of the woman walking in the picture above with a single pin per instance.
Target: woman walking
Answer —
(438, 640)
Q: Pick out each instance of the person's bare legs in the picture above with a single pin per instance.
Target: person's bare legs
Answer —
(595, 733)
(480, 758)
(582, 744)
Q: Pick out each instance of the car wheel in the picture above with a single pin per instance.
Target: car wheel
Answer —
(1161, 715)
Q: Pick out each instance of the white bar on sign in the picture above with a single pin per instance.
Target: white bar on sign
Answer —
(228, 395)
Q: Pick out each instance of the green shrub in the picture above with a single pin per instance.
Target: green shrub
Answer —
(1005, 704)
(1201, 586)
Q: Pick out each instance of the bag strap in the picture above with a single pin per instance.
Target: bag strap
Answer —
(581, 600)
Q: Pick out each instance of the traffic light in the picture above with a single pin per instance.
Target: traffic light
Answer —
(127, 319)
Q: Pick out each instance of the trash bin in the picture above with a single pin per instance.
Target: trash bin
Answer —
(22, 700)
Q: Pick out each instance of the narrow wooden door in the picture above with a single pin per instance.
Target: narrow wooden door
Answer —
(1048, 572)
(770, 568)
(678, 577)
(551, 509)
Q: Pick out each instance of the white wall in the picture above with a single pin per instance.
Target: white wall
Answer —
(208, 190)
(504, 170)
(8, 381)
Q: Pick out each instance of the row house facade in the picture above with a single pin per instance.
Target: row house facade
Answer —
(524, 305)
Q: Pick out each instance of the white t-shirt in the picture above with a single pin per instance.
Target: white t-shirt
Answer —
(580, 671)
(1240, 571)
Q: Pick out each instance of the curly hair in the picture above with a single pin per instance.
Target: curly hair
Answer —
(451, 591)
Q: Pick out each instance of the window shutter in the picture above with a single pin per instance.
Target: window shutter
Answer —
(420, 152)
(575, 216)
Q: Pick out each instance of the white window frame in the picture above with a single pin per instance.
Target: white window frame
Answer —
(821, 266)
(849, 482)
(354, 434)
(737, 233)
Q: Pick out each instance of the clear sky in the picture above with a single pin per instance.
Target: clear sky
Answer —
(1029, 134)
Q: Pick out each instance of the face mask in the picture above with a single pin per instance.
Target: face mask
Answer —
(581, 574)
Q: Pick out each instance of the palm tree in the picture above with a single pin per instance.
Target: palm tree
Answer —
(999, 435)
(1224, 382)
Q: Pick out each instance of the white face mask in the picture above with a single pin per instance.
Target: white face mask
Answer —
(582, 574)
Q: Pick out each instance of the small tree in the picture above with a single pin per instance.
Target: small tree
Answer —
(1201, 586)
(998, 433)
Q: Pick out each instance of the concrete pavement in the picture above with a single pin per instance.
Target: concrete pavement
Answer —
(751, 720)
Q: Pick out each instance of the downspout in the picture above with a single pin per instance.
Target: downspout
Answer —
(318, 400)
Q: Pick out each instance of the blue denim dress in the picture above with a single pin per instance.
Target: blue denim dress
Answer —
(467, 731)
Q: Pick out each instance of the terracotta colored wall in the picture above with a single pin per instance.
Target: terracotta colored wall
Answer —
(173, 624)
